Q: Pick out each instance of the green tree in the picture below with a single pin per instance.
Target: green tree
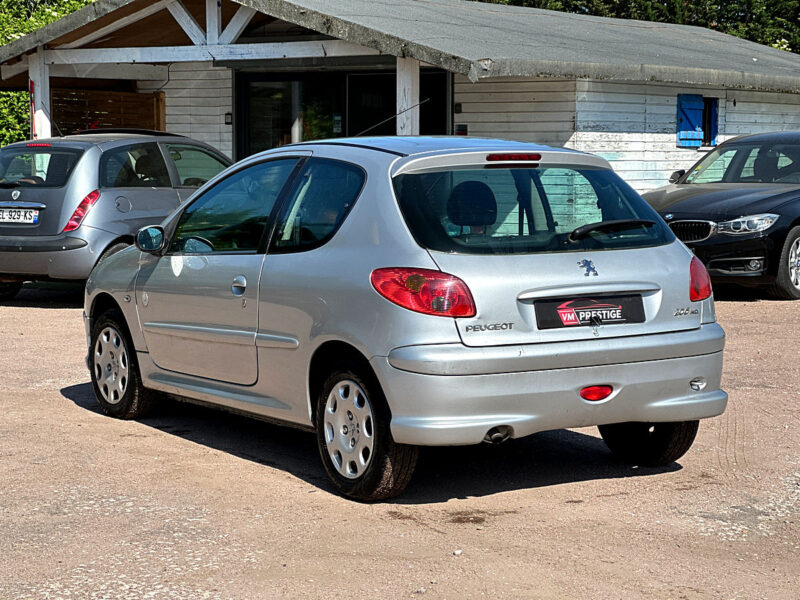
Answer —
(18, 17)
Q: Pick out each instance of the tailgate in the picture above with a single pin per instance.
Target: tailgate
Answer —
(539, 298)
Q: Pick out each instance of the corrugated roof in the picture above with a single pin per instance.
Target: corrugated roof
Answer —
(489, 40)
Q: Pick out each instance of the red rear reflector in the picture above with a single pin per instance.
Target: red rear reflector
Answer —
(37, 145)
(424, 291)
(699, 282)
(513, 157)
(594, 393)
(77, 217)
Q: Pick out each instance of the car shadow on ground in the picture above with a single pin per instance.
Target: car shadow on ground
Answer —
(48, 295)
(541, 460)
(733, 293)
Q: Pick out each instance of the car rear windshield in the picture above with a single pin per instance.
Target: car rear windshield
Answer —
(526, 210)
(46, 167)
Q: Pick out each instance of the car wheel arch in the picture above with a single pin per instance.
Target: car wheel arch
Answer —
(327, 355)
(102, 303)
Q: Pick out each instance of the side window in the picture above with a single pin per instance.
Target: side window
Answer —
(323, 195)
(195, 165)
(231, 216)
(141, 165)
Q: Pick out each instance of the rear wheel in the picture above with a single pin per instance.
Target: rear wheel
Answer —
(355, 444)
(787, 283)
(115, 371)
(10, 289)
(649, 444)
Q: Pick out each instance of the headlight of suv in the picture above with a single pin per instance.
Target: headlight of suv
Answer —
(749, 224)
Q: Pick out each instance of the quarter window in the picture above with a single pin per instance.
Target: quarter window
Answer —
(232, 215)
(323, 195)
(195, 166)
(141, 165)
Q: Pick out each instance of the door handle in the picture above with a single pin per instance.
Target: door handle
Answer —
(239, 285)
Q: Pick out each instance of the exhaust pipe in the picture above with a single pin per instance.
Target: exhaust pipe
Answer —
(497, 435)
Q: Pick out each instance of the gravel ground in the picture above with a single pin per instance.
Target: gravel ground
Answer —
(193, 503)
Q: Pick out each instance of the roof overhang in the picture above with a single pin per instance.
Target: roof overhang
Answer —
(480, 41)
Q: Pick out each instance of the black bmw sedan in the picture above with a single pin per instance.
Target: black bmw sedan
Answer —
(738, 209)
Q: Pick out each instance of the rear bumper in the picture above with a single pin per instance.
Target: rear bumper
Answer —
(432, 410)
(68, 256)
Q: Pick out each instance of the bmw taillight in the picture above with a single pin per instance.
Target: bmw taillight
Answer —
(424, 291)
(80, 213)
(700, 283)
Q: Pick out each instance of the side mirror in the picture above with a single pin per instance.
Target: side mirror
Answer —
(677, 175)
(150, 239)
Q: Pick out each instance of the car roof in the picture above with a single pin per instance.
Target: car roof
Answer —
(414, 145)
(104, 140)
(771, 137)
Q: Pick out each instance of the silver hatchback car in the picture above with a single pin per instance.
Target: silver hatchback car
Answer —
(68, 203)
(391, 293)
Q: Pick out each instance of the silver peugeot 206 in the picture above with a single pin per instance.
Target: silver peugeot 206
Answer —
(391, 293)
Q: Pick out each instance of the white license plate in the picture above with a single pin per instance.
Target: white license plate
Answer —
(18, 215)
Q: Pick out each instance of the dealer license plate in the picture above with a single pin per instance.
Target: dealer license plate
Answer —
(580, 312)
(18, 215)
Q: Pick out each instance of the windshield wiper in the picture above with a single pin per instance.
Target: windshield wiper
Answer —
(9, 184)
(618, 225)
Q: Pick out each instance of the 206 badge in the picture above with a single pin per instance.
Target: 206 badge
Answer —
(589, 266)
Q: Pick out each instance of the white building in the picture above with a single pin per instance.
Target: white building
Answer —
(246, 75)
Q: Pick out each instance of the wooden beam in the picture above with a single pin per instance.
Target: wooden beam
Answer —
(39, 73)
(187, 22)
(173, 54)
(9, 71)
(117, 25)
(407, 96)
(237, 25)
(112, 71)
(213, 21)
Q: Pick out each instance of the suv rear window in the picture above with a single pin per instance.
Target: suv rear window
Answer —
(46, 167)
(524, 210)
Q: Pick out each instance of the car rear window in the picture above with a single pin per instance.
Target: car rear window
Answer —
(524, 210)
(45, 167)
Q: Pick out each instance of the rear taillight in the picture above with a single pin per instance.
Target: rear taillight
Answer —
(424, 291)
(699, 282)
(77, 217)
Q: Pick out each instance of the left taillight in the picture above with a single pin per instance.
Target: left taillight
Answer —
(80, 213)
(700, 282)
(424, 291)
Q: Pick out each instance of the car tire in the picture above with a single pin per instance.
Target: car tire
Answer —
(114, 369)
(9, 290)
(356, 446)
(649, 444)
(787, 282)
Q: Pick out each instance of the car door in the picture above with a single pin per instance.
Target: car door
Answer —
(137, 178)
(193, 166)
(198, 303)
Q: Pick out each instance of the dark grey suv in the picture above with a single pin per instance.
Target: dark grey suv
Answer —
(67, 203)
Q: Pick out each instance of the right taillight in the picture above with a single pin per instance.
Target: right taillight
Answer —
(699, 281)
(424, 291)
(77, 217)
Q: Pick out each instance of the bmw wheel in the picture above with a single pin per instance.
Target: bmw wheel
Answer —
(649, 444)
(115, 372)
(355, 444)
(787, 283)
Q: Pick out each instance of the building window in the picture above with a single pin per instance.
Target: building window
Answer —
(697, 121)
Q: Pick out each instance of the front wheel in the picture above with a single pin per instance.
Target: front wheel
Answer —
(787, 282)
(354, 441)
(649, 444)
(115, 372)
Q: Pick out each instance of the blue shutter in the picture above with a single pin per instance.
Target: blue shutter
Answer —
(714, 121)
(690, 120)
